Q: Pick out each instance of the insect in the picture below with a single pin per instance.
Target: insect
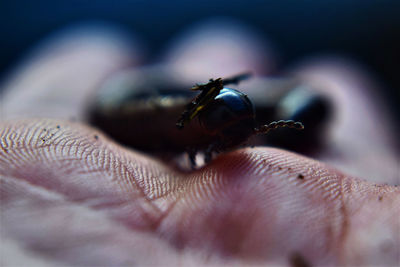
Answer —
(140, 109)
(226, 116)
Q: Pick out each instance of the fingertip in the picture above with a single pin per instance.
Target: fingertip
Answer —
(264, 203)
(248, 201)
(351, 87)
(58, 75)
(361, 121)
(219, 47)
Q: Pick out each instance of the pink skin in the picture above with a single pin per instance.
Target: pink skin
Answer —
(71, 196)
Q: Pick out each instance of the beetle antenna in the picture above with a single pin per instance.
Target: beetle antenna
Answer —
(237, 78)
(279, 124)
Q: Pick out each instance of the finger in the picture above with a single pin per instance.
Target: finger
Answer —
(74, 203)
(362, 139)
(219, 48)
(57, 79)
(69, 195)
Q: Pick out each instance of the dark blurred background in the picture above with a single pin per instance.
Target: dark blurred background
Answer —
(366, 31)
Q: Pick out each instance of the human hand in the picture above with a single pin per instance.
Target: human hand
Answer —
(70, 195)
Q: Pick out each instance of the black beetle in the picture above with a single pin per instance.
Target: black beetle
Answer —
(226, 117)
(140, 109)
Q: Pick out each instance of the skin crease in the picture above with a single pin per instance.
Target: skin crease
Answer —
(71, 196)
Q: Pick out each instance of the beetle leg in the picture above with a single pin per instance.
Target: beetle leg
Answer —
(192, 157)
(208, 152)
(207, 155)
